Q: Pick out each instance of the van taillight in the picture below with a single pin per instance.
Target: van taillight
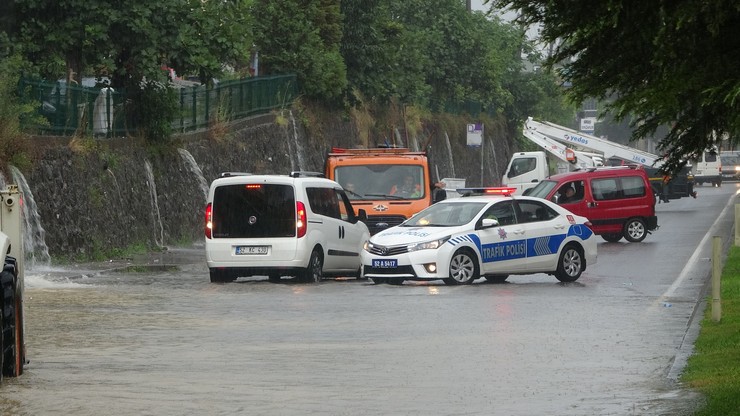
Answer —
(301, 222)
(209, 220)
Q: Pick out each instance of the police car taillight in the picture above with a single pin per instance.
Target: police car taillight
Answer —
(301, 222)
(209, 220)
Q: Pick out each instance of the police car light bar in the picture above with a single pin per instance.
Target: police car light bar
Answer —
(504, 191)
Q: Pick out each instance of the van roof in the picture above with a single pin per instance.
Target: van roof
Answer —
(603, 171)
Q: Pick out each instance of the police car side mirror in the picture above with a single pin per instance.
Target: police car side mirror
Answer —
(488, 223)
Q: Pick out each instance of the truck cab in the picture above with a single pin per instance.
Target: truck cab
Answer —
(390, 184)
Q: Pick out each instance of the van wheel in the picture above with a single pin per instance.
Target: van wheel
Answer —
(570, 264)
(612, 238)
(463, 268)
(217, 276)
(635, 230)
(497, 278)
(314, 272)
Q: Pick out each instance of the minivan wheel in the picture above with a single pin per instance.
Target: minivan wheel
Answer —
(612, 238)
(463, 268)
(315, 270)
(635, 230)
(570, 264)
(217, 276)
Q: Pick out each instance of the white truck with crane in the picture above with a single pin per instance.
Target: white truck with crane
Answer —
(680, 186)
(13, 356)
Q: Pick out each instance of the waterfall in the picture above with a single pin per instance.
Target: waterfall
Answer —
(414, 144)
(195, 169)
(496, 174)
(449, 153)
(34, 238)
(298, 147)
(155, 204)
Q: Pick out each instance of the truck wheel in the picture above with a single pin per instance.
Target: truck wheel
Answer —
(570, 264)
(463, 268)
(635, 230)
(12, 326)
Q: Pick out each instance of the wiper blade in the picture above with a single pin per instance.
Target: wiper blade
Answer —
(386, 196)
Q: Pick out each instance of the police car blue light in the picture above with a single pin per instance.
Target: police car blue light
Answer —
(487, 233)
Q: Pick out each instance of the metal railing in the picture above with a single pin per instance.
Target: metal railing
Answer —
(67, 109)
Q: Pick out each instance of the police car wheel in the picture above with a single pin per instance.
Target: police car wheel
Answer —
(463, 268)
(570, 264)
(635, 230)
(497, 278)
(611, 238)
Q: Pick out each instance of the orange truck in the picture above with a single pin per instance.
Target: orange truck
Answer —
(390, 184)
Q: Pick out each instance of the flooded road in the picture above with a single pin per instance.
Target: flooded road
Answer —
(153, 336)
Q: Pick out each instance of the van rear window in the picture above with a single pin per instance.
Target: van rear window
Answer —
(254, 211)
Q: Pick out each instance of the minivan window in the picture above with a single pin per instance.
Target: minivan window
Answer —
(254, 211)
(633, 186)
(710, 156)
(604, 189)
(542, 189)
(323, 201)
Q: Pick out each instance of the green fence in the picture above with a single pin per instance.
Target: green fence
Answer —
(100, 111)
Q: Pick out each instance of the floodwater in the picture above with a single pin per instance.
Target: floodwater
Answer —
(154, 337)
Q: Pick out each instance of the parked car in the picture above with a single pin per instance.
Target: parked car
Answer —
(488, 233)
(281, 225)
(618, 201)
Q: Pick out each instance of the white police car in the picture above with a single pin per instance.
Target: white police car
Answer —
(489, 233)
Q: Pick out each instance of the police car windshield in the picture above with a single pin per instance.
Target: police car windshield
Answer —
(542, 189)
(446, 215)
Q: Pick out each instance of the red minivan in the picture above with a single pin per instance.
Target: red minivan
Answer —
(618, 201)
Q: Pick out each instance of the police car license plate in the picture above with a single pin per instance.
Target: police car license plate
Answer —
(251, 250)
(385, 263)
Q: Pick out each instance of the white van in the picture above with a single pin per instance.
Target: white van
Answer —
(300, 225)
(708, 168)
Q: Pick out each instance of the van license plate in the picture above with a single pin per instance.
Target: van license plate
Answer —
(251, 250)
(385, 263)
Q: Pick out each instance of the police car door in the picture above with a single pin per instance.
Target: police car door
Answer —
(544, 231)
(503, 247)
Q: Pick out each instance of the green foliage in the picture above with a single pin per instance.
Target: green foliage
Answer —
(154, 106)
(666, 63)
(13, 144)
(714, 369)
(302, 37)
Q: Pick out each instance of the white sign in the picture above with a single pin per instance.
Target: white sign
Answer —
(588, 124)
(475, 134)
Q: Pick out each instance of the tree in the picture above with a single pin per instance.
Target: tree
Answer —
(664, 63)
(302, 37)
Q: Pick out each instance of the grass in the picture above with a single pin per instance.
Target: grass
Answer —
(714, 368)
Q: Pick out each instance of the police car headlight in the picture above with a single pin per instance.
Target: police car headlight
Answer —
(368, 245)
(428, 245)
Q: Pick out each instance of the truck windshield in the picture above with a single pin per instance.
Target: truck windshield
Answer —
(387, 181)
(542, 189)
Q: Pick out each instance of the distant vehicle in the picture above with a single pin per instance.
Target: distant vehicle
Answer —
(485, 233)
(618, 201)
(708, 168)
(281, 225)
(730, 165)
(377, 175)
